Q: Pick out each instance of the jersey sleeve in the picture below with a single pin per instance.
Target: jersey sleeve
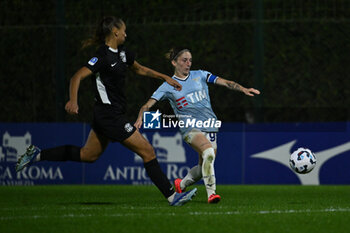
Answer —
(95, 63)
(209, 77)
(160, 93)
(130, 57)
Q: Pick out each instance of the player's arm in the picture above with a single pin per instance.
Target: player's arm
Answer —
(72, 105)
(145, 71)
(145, 107)
(236, 87)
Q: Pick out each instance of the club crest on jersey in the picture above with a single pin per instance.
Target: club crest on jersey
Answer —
(128, 127)
(123, 56)
(93, 61)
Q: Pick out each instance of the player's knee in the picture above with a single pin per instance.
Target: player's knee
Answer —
(147, 153)
(88, 157)
(208, 154)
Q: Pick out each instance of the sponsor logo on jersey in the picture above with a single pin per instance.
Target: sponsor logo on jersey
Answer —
(93, 61)
(192, 97)
(181, 102)
(197, 96)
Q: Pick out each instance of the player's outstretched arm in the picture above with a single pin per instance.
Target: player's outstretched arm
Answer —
(237, 87)
(72, 104)
(145, 71)
(144, 108)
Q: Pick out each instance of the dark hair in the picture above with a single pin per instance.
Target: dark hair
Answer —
(174, 53)
(103, 29)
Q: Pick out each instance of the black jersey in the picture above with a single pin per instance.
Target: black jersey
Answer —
(110, 67)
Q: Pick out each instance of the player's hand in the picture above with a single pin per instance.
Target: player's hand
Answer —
(174, 83)
(138, 123)
(251, 91)
(72, 107)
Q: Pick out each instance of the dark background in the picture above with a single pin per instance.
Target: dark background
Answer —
(295, 51)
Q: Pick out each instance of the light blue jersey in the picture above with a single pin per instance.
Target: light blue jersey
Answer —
(192, 103)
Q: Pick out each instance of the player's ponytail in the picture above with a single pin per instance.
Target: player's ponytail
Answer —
(103, 29)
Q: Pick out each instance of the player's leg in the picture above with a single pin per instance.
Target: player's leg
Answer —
(205, 145)
(95, 145)
(138, 144)
(192, 177)
(201, 144)
(92, 150)
(195, 174)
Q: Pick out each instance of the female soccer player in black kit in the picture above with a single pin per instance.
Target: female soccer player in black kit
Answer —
(109, 64)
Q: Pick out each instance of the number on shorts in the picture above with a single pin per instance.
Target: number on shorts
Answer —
(212, 137)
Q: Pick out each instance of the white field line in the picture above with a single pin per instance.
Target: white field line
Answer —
(197, 213)
(56, 208)
(272, 212)
(81, 208)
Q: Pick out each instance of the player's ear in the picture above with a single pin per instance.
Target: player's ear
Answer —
(115, 31)
(173, 62)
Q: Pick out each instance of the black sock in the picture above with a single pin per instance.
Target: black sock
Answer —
(61, 153)
(158, 177)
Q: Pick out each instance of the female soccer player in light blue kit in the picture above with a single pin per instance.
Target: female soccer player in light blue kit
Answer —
(192, 106)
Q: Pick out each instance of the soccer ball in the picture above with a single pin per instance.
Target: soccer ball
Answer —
(302, 160)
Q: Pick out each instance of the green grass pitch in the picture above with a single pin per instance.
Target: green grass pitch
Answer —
(126, 208)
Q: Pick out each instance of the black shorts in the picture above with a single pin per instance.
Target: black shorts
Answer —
(111, 123)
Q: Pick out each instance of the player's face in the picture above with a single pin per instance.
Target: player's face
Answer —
(183, 63)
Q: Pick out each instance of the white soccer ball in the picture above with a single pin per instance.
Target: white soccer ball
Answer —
(302, 160)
